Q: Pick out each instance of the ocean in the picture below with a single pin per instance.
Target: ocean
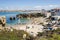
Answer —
(13, 14)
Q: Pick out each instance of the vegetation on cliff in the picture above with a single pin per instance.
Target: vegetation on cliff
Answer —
(30, 15)
(12, 35)
(18, 35)
(49, 35)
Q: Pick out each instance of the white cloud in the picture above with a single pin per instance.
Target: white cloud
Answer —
(53, 5)
(46, 7)
(30, 7)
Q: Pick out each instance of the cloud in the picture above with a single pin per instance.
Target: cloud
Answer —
(39, 7)
(46, 7)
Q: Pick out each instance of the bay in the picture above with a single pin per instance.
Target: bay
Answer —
(13, 14)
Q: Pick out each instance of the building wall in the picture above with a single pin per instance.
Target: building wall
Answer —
(48, 14)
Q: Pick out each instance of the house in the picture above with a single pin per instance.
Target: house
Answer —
(48, 14)
(57, 17)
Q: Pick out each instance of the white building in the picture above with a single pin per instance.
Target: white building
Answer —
(57, 17)
(48, 14)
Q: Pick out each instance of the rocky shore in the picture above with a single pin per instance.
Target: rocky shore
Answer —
(30, 15)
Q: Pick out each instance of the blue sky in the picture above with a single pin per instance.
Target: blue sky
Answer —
(29, 4)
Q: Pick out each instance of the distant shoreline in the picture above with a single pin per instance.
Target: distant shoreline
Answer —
(26, 11)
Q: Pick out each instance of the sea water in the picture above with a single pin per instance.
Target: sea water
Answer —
(13, 14)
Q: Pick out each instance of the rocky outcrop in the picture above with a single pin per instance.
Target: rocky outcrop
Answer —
(30, 15)
(12, 18)
(2, 20)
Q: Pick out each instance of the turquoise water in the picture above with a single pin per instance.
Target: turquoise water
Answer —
(13, 14)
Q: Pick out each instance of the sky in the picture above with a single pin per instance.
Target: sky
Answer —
(28, 4)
